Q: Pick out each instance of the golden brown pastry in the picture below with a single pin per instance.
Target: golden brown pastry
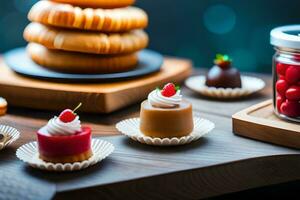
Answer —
(99, 3)
(86, 42)
(72, 62)
(104, 20)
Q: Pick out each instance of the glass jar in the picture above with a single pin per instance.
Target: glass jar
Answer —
(286, 72)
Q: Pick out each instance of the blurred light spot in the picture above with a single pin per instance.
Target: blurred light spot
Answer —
(219, 19)
(244, 60)
(24, 6)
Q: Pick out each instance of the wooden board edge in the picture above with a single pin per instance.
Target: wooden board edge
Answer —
(263, 132)
(103, 99)
(244, 116)
(264, 135)
(39, 83)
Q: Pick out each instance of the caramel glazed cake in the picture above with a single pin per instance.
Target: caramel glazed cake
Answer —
(165, 114)
(87, 39)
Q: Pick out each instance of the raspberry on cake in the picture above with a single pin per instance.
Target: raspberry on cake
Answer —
(64, 140)
(165, 114)
(169, 90)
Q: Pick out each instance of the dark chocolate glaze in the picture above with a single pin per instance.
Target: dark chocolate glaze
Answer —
(223, 78)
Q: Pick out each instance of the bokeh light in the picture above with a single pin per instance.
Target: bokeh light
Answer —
(219, 19)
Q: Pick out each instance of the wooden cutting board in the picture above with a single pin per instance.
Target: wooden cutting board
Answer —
(96, 98)
(259, 122)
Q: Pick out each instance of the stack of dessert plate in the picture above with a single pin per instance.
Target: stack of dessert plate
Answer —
(86, 40)
(93, 38)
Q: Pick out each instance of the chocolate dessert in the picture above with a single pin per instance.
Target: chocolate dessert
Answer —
(222, 74)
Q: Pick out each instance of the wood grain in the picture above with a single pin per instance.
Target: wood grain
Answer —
(259, 122)
(96, 98)
(219, 163)
(199, 183)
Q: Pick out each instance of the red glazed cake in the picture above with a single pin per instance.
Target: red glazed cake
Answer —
(64, 140)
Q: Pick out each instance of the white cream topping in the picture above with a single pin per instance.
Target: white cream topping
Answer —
(156, 99)
(56, 127)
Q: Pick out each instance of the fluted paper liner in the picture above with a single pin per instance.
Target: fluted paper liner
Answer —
(29, 154)
(250, 85)
(13, 133)
(131, 128)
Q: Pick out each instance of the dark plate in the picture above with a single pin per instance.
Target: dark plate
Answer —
(19, 61)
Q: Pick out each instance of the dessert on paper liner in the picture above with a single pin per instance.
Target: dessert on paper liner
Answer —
(166, 119)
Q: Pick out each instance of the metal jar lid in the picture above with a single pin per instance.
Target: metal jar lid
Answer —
(286, 37)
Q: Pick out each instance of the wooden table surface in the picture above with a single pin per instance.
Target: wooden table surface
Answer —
(219, 163)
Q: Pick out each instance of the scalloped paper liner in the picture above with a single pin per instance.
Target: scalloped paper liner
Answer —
(12, 132)
(29, 154)
(131, 128)
(250, 85)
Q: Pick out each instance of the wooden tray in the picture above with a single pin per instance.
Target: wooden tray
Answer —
(259, 122)
(96, 98)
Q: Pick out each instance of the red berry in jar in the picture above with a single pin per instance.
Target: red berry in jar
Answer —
(293, 93)
(281, 68)
(282, 86)
(290, 108)
(281, 77)
(286, 71)
(297, 57)
(279, 101)
(292, 74)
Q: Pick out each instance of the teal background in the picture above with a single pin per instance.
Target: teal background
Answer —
(195, 29)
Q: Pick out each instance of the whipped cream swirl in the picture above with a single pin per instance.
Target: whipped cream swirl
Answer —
(56, 127)
(156, 99)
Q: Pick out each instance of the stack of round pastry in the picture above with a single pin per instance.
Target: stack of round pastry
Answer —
(86, 36)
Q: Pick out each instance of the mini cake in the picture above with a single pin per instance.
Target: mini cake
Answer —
(222, 74)
(3, 106)
(165, 114)
(63, 140)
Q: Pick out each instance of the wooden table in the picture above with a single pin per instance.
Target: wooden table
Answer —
(219, 163)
